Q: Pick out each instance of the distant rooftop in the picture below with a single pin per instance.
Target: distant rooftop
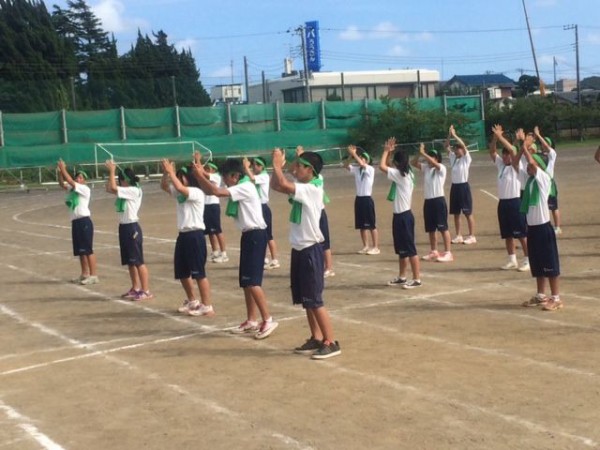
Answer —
(494, 79)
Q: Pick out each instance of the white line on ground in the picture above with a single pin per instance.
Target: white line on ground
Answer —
(25, 423)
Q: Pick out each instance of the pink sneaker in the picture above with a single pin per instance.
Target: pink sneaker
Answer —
(432, 256)
(445, 257)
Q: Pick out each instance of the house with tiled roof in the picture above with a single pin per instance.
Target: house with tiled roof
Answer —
(494, 85)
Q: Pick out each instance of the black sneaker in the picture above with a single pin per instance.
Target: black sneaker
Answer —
(327, 351)
(309, 347)
(412, 284)
(397, 282)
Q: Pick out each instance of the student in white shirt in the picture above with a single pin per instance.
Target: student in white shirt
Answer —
(128, 203)
(212, 218)
(82, 227)
(548, 148)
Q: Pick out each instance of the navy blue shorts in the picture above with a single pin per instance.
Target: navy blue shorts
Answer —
(306, 274)
(253, 246)
(512, 223)
(324, 227)
(212, 219)
(435, 214)
(553, 200)
(190, 255)
(82, 234)
(268, 218)
(130, 242)
(461, 200)
(364, 213)
(403, 231)
(543, 251)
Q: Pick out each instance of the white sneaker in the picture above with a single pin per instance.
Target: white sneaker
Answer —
(200, 309)
(470, 240)
(373, 251)
(92, 279)
(363, 251)
(524, 267)
(274, 264)
(266, 328)
(457, 240)
(222, 258)
(185, 306)
(213, 256)
(510, 265)
(557, 230)
(445, 257)
(329, 273)
(79, 279)
(247, 326)
(432, 256)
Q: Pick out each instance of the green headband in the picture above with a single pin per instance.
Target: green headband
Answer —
(82, 173)
(548, 141)
(261, 162)
(304, 162)
(366, 156)
(184, 170)
(433, 150)
(534, 147)
(212, 165)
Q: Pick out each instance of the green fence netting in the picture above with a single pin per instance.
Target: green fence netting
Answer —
(38, 140)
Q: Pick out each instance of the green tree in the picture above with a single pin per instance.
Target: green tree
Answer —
(528, 84)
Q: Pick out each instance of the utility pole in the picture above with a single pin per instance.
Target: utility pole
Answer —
(574, 27)
(246, 79)
(537, 71)
(300, 30)
(73, 101)
(174, 90)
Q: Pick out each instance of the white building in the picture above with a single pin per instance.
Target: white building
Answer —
(226, 93)
(347, 86)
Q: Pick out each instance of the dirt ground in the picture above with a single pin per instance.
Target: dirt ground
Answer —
(457, 364)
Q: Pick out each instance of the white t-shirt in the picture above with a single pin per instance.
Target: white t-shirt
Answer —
(540, 214)
(509, 185)
(459, 168)
(83, 208)
(404, 189)
(363, 179)
(133, 201)
(190, 213)
(523, 171)
(433, 181)
(262, 185)
(249, 210)
(214, 178)
(307, 232)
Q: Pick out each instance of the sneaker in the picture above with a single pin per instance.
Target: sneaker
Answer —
(92, 279)
(142, 295)
(510, 265)
(131, 293)
(412, 284)
(536, 300)
(213, 256)
(470, 240)
(185, 307)
(557, 231)
(221, 259)
(553, 305)
(329, 273)
(79, 279)
(266, 328)
(524, 267)
(373, 251)
(200, 309)
(458, 240)
(274, 264)
(445, 257)
(398, 281)
(247, 326)
(432, 256)
(309, 347)
(327, 350)
(363, 251)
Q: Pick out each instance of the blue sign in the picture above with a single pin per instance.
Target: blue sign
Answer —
(313, 46)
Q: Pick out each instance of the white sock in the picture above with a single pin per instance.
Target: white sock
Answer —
(512, 258)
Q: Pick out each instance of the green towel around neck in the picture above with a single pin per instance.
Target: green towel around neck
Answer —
(531, 195)
(120, 204)
(233, 208)
(296, 212)
(392, 193)
(72, 200)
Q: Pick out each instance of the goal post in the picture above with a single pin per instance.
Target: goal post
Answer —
(143, 153)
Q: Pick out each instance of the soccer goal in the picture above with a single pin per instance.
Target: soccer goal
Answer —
(148, 154)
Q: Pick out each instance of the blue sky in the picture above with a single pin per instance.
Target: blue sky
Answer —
(454, 37)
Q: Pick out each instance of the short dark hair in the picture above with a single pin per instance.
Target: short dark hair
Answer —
(128, 175)
(436, 154)
(189, 174)
(231, 166)
(315, 161)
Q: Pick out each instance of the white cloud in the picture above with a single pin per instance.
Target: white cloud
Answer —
(187, 44)
(224, 71)
(398, 50)
(383, 30)
(351, 34)
(113, 17)
(593, 38)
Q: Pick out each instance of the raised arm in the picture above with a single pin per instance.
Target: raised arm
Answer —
(279, 182)
(498, 132)
(538, 135)
(64, 175)
(432, 161)
(353, 152)
(248, 169)
(415, 161)
(169, 170)
(388, 147)
(111, 183)
(456, 137)
(492, 147)
(597, 155)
